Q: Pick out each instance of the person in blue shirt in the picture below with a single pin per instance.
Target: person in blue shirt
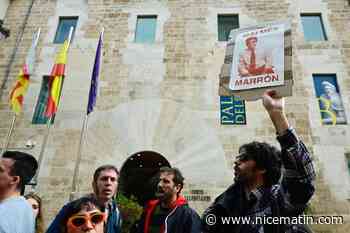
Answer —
(105, 183)
(16, 170)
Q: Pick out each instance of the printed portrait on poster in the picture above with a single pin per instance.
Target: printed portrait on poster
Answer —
(329, 99)
(258, 58)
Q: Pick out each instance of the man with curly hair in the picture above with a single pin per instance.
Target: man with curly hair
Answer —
(259, 192)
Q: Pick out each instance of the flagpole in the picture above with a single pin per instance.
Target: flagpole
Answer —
(36, 37)
(7, 141)
(77, 163)
(70, 35)
(41, 155)
(75, 185)
(45, 140)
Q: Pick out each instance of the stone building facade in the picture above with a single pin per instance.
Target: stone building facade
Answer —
(3, 8)
(163, 96)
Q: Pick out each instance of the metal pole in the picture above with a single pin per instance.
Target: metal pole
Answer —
(70, 35)
(75, 186)
(37, 37)
(41, 155)
(7, 140)
(43, 147)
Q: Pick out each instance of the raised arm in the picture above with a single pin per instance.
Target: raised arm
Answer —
(298, 174)
(275, 108)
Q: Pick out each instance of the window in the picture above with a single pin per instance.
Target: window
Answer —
(313, 27)
(329, 99)
(39, 113)
(40, 108)
(225, 24)
(232, 111)
(146, 29)
(64, 25)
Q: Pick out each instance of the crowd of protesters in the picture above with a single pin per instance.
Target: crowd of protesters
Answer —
(260, 188)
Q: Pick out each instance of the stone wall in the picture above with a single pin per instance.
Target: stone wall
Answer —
(3, 8)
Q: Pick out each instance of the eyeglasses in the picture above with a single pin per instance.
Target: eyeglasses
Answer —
(80, 220)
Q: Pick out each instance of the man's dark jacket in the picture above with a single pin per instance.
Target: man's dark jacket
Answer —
(181, 219)
(288, 198)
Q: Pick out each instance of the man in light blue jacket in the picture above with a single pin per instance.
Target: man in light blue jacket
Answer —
(16, 170)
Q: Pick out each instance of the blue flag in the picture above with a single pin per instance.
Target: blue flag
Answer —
(94, 78)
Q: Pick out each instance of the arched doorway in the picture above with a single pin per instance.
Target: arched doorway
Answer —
(139, 175)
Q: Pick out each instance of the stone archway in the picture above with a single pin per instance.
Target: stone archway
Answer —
(138, 175)
(163, 126)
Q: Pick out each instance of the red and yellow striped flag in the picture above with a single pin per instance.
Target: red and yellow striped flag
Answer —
(17, 93)
(22, 83)
(57, 75)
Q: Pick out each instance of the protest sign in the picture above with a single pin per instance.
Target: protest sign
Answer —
(258, 58)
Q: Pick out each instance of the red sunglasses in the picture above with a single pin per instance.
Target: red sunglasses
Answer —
(80, 220)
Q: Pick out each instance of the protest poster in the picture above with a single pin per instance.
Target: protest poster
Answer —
(258, 58)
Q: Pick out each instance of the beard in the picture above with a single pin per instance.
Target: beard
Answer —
(240, 177)
(237, 176)
(163, 196)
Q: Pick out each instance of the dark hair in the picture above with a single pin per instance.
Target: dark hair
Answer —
(178, 178)
(266, 157)
(39, 221)
(103, 168)
(24, 166)
(75, 206)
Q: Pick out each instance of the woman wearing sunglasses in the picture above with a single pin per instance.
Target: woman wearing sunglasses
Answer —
(85, 216)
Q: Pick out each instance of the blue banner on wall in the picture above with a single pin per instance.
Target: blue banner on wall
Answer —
(232, 111)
